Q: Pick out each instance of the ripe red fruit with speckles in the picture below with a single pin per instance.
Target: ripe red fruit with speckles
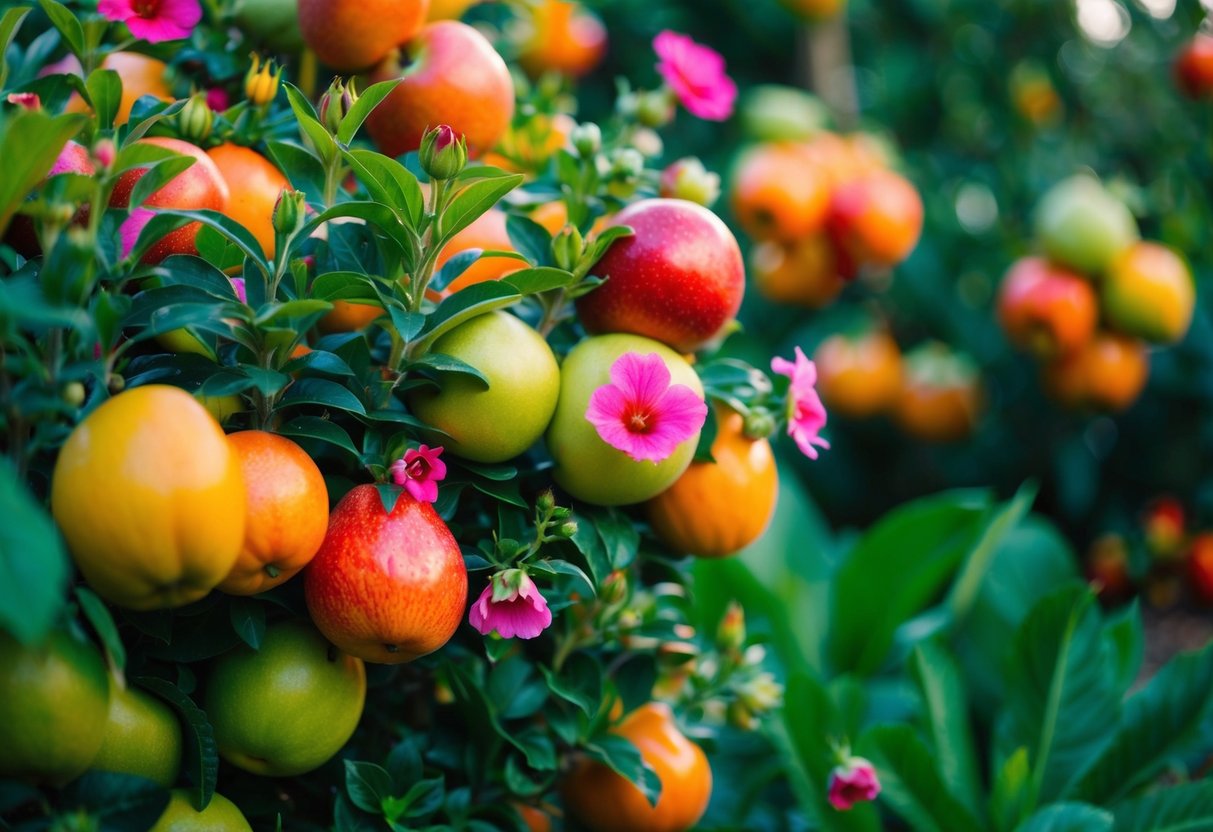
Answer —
(679, 279)
(386, 588)
(199, 186)
(1194, 67)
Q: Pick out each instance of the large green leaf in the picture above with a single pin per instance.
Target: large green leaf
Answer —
(462, 306)
(1186, 808)
(366, 102)
(33, 562)
(1069, 817)
(898, 567)
(968, 583)
(946, 708)
(9, 24)
(28, 148)
(472, 201)
(1061, 695)
(1164, 719)
(911, 783)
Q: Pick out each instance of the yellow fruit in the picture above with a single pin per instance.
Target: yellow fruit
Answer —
(142, 736)
(220, 815)
(150, 498)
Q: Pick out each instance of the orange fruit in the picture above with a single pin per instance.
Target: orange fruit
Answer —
(287, 511)
(150, 497)
(140, 76)
(448, 9)
(535, 818)
(717, 508)
(1046, 308)
(355, 34)
(940, 397)
(876, 219)
(803, 272)
(254, 184)
(562, 37)
(1148, 292)
(779, 193)
(1108, 373)
(347, 316)
(859, 376)
(487, 232)
(604, 801)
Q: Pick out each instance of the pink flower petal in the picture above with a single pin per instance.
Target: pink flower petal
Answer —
(696, 74)
(607, 407)
(523, 614)
(642, 378)
(116, 10)
(478, 615)
(806, 413)
(128, 232)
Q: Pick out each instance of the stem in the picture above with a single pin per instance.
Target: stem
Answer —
(552, 307)
(332, 178)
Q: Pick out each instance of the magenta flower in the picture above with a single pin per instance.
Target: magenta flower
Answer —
(853, 782)
(420, 471)
(25, 100)
(154, 20)
(806, 414)
(239, 288)
(218, 99)
(696, 74)
(641, 413)
(512, 605)
(128, 232)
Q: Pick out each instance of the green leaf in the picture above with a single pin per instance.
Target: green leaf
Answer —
(239, 236)
(1069, 817)
(117, 801)
(472, 201)
(1126, 637)
(453, 268)
(248, 620)
(29, 146)
(899, 566)
(579, 681)
(201, 758)
(1012, 797)
(322, 392)
(322, 430)
(367, 785)
(367, 100)
(156, 177)
(389, 182)
(946, 708)
(1166, 718)
(1186, 808)
(274, 312)
(464, 305)
(344, 286)
(105, 93)
(977, 564)
(530, 239)
(624, 759)
(310, 128)
(103, 625)
(33, 562)
(911, 784)
(1061, 696)
(67, 24)
(423, 798)
(441, 363)
(543, 279)
(9, 24)
(300, 166)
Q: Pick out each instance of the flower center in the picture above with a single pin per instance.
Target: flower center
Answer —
(640, 421)
(146, 8)
(418, 469)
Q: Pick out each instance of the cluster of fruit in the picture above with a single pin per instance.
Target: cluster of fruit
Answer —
(1164, 558)
(821, 210)
(1099, 295)
(933, 393)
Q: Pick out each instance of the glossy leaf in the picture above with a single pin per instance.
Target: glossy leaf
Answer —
(946, 708)
(201, 755)
(33, 562)
(367, 101)
(1069, 817)
(1184, 808)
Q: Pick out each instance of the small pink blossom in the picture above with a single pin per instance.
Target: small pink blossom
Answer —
(420, 471)
(239, 288)
(104, 153)
(218, 99)
(641, 413)
(67, 65)
(25, 100)
(696, 74)
(806, 414)
(853, 782)
(154, 20)
(512, 605)
(128, 232)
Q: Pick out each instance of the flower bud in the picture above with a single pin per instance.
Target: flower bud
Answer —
(614, 589)
(73, 394)
(290, 212)
(444, 153)
(761, 694)
(561, 513)
(261, 81)
(647, 142)
(568, 247)
(741, 717)
(759, 423)
(586, 139)
(546, 501)
(25, 100)
(195, 119)
(655, 109)
(104, 153)
(688, 179)
(627, 163)
(567, 529)
(852, 781)
(336, 103)
(730, 635)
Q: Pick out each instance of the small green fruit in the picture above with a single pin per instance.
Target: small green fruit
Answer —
(586, 466)
(1081, 225)
(288, 707)
(220, 815)
(142, 736)
(53, 705)
(501, 422)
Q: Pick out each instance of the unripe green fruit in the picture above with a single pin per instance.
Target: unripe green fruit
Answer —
(1081, 225)
(142, 736)
(272, 22)
(220, 815)
(586, 466)
(501, 422)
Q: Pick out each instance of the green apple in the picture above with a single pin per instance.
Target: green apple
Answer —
(586, 466)
(53, 704)
(501, 422)
(220, 815)
(1081, 225)
(272, 22)
(142, 736)
(288, 707)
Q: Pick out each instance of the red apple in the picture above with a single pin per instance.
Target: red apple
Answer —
(452, 76)
(1046, 308)
(875, 220)
(386, 588)
(74, 158)
(1194, 67)
(679, 279)
(199, 186)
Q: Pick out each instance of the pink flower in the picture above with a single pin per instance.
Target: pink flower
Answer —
(25, 100)
(239, 288)
(696, 75)
(67, 65)
(154, 20)
(420, 471)
(512, 605)
(853, 782)
(104, 153)
(128, 232)
(218, 99)
(641, 413)
(806, 413)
